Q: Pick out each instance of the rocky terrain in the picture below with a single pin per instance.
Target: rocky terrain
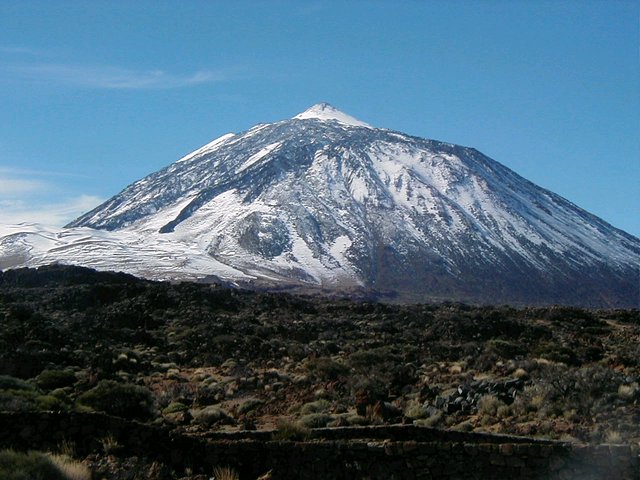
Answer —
(200, 359)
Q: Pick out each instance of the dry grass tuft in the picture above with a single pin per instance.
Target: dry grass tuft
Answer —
(225, 473)
(71, 469)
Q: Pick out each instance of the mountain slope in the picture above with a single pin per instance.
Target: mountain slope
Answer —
(326, 200)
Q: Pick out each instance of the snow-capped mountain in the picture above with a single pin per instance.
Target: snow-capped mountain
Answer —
(323, 199)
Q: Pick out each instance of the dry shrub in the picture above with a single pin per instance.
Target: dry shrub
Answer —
(613, 436)
(71, 469)
(628, 392)
(488, 405)
(110, 444)
(225, 473)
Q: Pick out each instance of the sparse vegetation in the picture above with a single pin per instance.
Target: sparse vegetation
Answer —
(201, 358)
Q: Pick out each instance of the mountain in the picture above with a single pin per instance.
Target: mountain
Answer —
(324, 200)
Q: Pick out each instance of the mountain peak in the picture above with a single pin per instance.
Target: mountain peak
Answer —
(325, 111)
(316, 202)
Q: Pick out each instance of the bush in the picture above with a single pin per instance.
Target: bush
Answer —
(505, 349)
(29, 401)
(119, 399)
(288, 430)
(325, 368)
(52, 379)
(12, 401)
(558, 353)
(319, 406)
(558, 388)
(11, 383)
(357, 420)
(174, 407)
(49, 403)
(364, 359)
(415, 411)
(249, 405)
(489, 404)
(628, 392)
(210, 415)
(431, 421)
(316, 420)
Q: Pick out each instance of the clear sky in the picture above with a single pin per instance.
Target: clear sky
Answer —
(96, 94)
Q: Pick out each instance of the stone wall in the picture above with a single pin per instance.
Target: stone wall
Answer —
(388, 452)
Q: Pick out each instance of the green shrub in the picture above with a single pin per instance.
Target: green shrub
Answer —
(319, 406)
(465, 426)
(8, 382)
(294, 431)
(29, 401)
(52, 379)
(505, 349)
(557, 388)
(174, 407)
(357, 420)
(249, 405)
(364, 359)
(210, 415)
(431, 421)
(17, 401)
(49, 403)
(315, 420)
(61, 394)
(325, 368)
(119, 399)
(558, 353)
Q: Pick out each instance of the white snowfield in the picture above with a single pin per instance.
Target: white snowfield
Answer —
(324, 199)
(157, 258)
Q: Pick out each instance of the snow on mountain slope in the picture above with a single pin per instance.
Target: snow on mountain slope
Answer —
(324, 111)
(157, 258)
(326, 200)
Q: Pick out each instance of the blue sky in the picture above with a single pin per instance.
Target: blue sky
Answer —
(94, 95)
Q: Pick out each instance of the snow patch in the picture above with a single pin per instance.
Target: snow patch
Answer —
(257, 156)
(324, 111)
(208, 148)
